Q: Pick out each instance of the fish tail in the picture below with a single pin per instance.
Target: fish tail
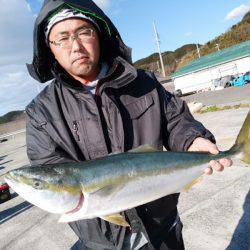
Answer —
(242, 143)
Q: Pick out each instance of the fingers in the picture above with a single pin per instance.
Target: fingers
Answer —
(202, 144)
(213, 149)
(208, 171)
(218, 165)
(226, 162)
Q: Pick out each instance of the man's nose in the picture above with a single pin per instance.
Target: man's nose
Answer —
(76, 44)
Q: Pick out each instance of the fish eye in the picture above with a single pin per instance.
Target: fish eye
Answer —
(60, 183)
(37, 184)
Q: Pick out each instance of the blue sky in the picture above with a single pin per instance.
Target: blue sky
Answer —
(178, 23)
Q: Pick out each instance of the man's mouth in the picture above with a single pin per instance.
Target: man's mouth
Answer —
(81, 59)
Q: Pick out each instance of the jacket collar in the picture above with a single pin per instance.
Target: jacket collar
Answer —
(119, 75)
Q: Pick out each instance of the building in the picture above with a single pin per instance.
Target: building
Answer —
(201, 74)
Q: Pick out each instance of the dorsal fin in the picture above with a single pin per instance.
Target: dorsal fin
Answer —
(114, 153)
(143, 149)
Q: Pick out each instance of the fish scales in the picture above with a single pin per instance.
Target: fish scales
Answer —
(106, 186)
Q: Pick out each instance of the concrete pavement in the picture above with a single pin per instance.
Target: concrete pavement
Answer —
(231, 95)
(215, 212)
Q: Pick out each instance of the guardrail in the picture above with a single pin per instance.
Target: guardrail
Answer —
(12, 134)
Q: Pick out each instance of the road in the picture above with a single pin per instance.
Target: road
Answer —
(230, 95)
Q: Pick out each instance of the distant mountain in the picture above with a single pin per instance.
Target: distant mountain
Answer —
(174, 60)
(12, 116)
(170, 59)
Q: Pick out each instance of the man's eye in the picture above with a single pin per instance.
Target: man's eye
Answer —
(63, 39)
(84, 33)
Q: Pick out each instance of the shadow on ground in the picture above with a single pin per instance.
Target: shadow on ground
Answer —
(3, 157)
(14, 211)
(2, 163)
(241, 239)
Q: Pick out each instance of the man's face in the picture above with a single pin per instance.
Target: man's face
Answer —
(82, 59)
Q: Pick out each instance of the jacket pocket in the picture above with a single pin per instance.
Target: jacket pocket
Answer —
(139, 107)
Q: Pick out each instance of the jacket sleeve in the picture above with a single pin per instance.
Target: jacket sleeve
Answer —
(180, 128)
(41, 149)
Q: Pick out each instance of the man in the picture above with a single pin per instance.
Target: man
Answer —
(99, 103)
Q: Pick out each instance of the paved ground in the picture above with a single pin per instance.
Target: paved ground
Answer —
(220, 97)
(215, 212)
(22, 225)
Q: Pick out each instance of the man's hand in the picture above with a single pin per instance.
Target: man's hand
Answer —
(201, 144)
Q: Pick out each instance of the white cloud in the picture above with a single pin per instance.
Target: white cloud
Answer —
(238, 12)
(103, 4)
(189, 34)
(16, 45)
(16, 48)
(17, 88)
(16, 26)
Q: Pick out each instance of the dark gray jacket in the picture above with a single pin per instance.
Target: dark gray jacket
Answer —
(66, 123)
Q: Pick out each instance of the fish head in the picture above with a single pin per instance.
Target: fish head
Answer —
(54, 189)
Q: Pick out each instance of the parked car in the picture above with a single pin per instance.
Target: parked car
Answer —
(224, 81)
(241, 80)
(4, 192)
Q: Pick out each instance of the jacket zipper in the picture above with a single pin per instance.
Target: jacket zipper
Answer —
(75, 129)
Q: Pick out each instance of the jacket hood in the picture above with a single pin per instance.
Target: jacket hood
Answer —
(43, 60)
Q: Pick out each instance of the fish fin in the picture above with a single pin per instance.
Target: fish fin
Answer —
(110, 190)
(116, 219)
(192, 183)
(114, 153)
(241, 148)
(143, 149)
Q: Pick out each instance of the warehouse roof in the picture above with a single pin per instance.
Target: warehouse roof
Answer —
(219, 57)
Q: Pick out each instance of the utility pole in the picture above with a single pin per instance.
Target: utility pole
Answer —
(217, 46)
(198, 50)
(159, 49)
(158, 66)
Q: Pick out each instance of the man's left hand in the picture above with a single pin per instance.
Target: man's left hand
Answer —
(202, 144)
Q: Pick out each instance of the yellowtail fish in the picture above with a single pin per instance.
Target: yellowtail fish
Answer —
(106, 186)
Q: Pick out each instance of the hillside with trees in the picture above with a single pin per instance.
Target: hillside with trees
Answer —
(12, 116)
(170, 59)
(173, 60)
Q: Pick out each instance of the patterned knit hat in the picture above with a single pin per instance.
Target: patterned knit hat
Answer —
(67, 14)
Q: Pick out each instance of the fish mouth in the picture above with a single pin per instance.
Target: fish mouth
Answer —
(78, 207)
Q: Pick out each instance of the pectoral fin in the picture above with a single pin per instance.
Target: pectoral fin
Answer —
(110, 191)
(189, 185)
(116, 219)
